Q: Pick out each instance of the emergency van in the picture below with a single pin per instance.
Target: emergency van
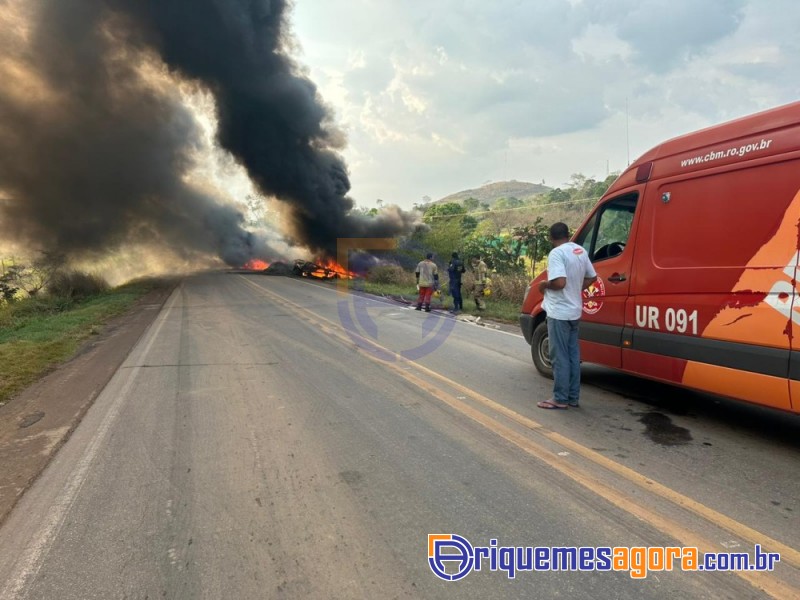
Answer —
(696, 246)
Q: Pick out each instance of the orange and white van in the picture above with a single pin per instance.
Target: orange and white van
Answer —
(696, 246)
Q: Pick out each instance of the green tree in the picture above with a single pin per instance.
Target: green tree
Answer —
(471, 204)
(468, 224)
(557, 195)
(442, 238)
(487, 227)
(535, 238)
(450, 212)
(8, 287)
(443, 211)
(506, 203)
(580, 187)
(578, 181)
(501, 253)
(32, 278)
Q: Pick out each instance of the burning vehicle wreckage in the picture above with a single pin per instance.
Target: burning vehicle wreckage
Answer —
(327, 269)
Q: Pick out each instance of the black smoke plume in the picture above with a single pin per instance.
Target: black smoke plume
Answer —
(95, 155)
(91, 155)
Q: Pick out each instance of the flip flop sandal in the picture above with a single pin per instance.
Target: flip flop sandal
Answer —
(551, 405)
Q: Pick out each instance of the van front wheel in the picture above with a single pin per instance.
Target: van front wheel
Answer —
(540, 350)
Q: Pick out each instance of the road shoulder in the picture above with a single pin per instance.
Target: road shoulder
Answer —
(42, 417)
(463, 317)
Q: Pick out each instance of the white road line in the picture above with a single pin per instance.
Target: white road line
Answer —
(29, 563)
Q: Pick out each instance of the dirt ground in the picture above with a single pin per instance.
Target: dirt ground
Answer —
(37, 422)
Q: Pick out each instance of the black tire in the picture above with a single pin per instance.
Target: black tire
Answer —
(540, 350)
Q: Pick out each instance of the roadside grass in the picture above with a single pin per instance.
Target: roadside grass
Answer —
(37, 334)
(498, 309)
(504, 303)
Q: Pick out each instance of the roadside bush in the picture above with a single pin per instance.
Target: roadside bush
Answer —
(15, 314)
(75, 285)
(510, 287)
(390, 275)
(503, 286)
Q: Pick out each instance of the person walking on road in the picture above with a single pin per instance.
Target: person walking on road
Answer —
(427, 275)
(481, 275)
(569, 272)
(455, 269)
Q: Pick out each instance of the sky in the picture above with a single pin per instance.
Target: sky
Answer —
(438, 96)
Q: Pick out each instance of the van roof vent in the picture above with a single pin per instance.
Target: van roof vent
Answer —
(644, 171)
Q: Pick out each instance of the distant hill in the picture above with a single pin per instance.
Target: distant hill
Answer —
(491, 192)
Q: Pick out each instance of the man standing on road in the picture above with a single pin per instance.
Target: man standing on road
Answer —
(455, 269)
(569, 272)
(427, 281)
(481, 274)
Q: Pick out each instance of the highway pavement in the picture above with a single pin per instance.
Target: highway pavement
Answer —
(271, 437)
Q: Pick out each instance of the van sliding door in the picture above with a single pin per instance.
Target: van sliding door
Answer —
(715, 297)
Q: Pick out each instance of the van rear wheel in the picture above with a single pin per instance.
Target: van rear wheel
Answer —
(540, 350)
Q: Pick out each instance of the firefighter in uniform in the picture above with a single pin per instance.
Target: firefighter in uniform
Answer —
(481, 273)
(427, 275)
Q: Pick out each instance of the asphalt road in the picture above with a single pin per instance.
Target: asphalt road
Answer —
(272, 438)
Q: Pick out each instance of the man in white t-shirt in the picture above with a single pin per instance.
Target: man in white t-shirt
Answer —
(569, 272)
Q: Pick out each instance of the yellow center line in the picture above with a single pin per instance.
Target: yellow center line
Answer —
(764, 581)
(788, 554)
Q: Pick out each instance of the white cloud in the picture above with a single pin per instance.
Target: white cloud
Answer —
(599, 43)
(664, 33)
(440, 96)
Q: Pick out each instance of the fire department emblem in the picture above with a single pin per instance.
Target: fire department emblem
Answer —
(593, 297)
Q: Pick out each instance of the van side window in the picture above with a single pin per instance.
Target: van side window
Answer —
(586, 237)
(607, 233)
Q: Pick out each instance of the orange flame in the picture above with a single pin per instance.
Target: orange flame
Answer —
(256, 264)
(330, 269)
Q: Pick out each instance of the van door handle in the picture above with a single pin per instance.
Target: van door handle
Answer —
(617, 277)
